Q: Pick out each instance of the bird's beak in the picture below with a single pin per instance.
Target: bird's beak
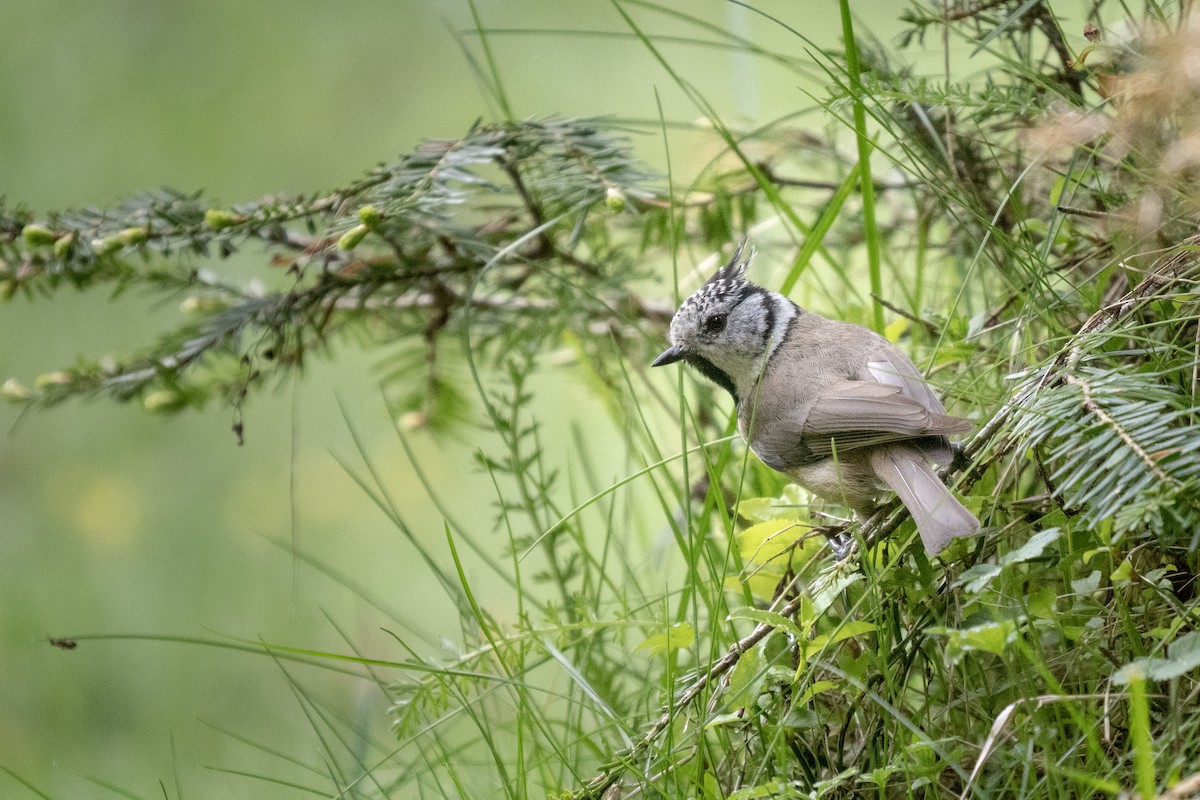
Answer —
(670, 356)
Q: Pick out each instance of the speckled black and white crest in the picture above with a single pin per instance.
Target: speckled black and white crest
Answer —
(735, 270)
(726, 287)
(729, 280)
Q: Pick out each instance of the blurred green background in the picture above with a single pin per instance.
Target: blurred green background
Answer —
(117, 521)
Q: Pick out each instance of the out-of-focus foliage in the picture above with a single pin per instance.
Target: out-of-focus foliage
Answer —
(504, 225)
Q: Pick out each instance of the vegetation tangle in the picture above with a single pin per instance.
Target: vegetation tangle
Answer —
(1025, 231)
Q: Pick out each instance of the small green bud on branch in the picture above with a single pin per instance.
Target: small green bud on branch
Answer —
(38, 234)
(353, 237)
(162, 401)
(62, 246)
(614, 198)
(218, 219)
(60, 378)
(16, 392)
(369, 215)
(106, 246)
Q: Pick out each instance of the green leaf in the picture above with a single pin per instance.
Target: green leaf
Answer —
(814, 689)
(756, 509)
(1087, 585)
(746, 675)
(1123, 574)
(791, 504)
(679, 636)
(774, 789)
(852, 628)
(818, 644)
(729, 718)
(775, 620)
(977, 578)
(828, 590)
(1031, 549)
(895, 329)
(843, 632)
(1055, 519)
(767, 541)
(1041, 603)
(1183, 656)
(991, 637)
(1186, 649)
(1056, 190)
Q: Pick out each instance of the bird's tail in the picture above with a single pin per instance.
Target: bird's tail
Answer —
(938, 514)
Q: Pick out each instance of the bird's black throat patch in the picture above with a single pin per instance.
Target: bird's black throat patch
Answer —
(713, 373)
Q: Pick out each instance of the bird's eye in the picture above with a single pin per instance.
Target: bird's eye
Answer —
(715, 323)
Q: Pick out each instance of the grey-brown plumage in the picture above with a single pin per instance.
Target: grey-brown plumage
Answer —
(834, 406)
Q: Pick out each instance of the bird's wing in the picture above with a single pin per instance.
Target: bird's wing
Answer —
(854, 414)
(890, 367)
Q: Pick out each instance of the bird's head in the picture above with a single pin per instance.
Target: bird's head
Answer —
(727, 327)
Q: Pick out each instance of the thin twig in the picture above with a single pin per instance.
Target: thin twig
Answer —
(932, 329)
(1083, 212)
(430, 300)
(769, 173)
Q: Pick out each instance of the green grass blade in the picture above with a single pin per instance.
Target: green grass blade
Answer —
(865, 181)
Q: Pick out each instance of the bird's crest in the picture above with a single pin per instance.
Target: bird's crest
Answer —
(735, 271)
(727, 283)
